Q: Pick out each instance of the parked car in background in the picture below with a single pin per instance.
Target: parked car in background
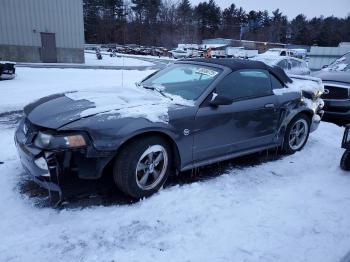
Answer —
(290, 65)
(190, 114)
(300, 53)
(280, 52)
(7, 70)
(178, 53)
(336, 79)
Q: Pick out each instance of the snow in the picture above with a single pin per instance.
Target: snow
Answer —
(341, 64)
(7, 62)
(90, 59)
(31, 84)
(295, 208)
(270, 59)
(312, 85)
(129, 101)
(306, 83)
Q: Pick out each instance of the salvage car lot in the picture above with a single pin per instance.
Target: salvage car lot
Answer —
(292, 209)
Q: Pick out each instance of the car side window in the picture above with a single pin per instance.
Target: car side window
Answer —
(245, 84)
(276, 83)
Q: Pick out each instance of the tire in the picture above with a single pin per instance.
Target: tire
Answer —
(345, 161)
(291, 146)
(136, 171)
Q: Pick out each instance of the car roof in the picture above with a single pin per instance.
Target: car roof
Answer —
(239, 64)
(232, 63)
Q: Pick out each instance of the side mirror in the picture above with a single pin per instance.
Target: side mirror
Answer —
(219, 100)
(325, 66)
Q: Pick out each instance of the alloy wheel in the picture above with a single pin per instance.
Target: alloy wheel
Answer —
(298, 134)
(151, 167)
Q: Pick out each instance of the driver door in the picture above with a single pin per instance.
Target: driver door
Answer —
(249, 122)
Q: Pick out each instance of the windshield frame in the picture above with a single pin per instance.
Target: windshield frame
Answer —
(197, 100)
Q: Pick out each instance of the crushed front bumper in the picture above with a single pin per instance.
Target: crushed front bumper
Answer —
(58, 171)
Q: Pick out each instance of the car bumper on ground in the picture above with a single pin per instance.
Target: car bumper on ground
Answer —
(7, 76)
(7, 71)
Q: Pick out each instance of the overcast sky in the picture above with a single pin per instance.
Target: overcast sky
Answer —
(292, 8)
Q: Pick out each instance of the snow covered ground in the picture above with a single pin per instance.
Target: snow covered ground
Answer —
(295, 208)
(31, 84)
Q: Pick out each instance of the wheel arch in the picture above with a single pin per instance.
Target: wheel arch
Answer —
(173, 145)
(304, 111)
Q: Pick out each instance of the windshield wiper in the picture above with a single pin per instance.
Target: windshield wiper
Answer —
(155, 89)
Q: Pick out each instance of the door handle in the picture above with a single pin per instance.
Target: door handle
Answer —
(269, 106)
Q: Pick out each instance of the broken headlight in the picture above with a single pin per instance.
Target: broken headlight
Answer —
(48, 141)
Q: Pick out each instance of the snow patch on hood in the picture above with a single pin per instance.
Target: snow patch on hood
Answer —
(129, 102)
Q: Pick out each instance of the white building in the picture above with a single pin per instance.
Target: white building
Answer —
(42, 31)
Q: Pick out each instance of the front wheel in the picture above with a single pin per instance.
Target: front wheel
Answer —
(345, 161)
(142, 166)
(297, 134)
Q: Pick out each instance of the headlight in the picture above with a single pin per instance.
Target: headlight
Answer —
(48, 141)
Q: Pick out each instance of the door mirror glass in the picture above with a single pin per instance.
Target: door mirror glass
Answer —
(220, 100)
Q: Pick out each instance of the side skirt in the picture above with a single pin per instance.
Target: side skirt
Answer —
(226, 157)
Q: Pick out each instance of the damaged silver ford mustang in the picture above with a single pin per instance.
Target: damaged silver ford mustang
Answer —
(192, 113)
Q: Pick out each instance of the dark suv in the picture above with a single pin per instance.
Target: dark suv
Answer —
(336, 80)
(190, 114)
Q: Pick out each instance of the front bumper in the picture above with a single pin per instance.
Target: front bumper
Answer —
(316, 120)
(58, 171)
(30, 157)
(337, 110)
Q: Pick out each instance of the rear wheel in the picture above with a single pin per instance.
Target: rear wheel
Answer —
(143, 166)
(297, 134)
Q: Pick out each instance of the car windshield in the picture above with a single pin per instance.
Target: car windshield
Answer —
(341, 64)
(185, 80)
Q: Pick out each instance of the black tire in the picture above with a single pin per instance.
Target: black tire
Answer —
(286, 147)
(125, 167)
(345, 161)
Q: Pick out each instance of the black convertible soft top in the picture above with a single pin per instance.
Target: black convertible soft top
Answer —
(238, 64)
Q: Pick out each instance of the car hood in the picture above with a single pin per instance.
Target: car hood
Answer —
(59, 110)
(333, 76)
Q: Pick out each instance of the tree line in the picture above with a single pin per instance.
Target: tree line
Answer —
(168, 22)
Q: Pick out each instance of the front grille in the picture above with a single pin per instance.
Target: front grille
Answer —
(335, 92)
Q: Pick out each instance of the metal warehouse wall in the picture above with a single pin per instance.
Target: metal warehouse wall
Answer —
(22, 21)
